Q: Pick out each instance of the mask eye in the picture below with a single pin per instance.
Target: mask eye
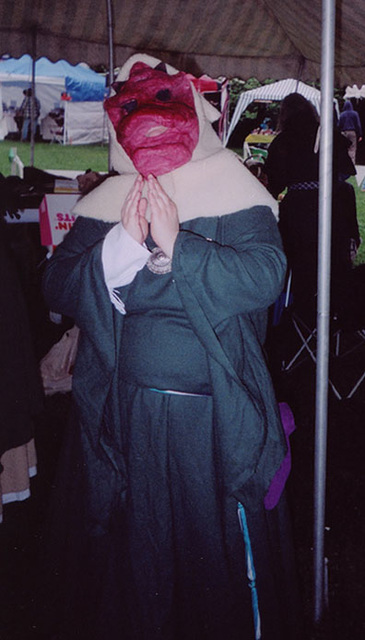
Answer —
(164, 95)
(130, 106)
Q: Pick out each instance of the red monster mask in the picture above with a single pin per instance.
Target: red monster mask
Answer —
(154, 117)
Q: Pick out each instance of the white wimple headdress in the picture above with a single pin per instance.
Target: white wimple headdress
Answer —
(213, 183)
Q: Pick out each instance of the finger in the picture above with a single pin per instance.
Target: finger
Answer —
(137, 187)
(154, 185)
(157, 190)
(142, 207)
(132, 200)
(143, 225)
(135, 190)
(159, 205)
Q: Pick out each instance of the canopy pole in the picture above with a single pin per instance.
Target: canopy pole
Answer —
(109, 8)
(323, 308)
(32, 104)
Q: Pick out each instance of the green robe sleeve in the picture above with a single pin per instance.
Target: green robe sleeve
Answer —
(73, 278)
(241, 272)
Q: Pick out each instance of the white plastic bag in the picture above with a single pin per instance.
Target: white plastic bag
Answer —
(57, 365)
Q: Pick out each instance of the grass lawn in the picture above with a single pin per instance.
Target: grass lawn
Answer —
(95, 157)
(56, 156)
(360, 207)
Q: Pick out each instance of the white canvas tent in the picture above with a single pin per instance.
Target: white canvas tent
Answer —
(275, 91)
(355, 92)
(85, 87)
(85, 123)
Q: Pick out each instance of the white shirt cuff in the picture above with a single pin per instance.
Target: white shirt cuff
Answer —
(122, 257)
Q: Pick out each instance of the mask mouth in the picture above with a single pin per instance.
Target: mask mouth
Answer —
(156, 131)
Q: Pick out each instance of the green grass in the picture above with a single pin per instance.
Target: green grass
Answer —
(56, 156)
(95, 157)
(360, 209)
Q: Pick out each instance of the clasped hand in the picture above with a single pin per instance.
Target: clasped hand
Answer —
(164, 225)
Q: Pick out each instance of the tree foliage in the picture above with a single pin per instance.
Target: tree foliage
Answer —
(254, 110)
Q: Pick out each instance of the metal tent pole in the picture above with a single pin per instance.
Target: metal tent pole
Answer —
(33, 109)
(323, 309)
(109, 9)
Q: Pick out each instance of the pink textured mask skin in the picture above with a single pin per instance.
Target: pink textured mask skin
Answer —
(155, 120)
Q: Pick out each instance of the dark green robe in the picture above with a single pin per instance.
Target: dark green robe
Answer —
(227, 271)
(226, 286)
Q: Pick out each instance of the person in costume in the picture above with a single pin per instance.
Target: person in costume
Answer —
(293, 165)
(176, 440)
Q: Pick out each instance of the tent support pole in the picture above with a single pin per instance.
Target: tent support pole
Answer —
(32, 111)
(109, 9)
(323, 309)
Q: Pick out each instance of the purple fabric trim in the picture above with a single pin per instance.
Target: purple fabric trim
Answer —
(278, 482)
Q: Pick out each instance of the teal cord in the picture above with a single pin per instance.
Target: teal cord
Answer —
(251, 573)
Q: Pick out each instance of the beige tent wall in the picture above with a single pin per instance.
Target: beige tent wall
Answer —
(276, 38)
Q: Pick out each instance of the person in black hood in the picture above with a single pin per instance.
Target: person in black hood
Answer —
(350, 126)
(292, 166)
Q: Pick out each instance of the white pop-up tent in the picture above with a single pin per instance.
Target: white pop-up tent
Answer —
(85, 123)
(354, 92)
(84, 87)
(275, 91)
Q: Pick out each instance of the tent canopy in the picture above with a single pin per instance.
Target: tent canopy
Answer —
(275, 91)
(263, 38)
(85, 118)
(355, 92)
(79, 81)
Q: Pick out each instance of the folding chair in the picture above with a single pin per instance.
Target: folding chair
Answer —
(343, 342)
(299, 229)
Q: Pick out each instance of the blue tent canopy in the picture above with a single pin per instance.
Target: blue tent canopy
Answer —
(81, 82)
